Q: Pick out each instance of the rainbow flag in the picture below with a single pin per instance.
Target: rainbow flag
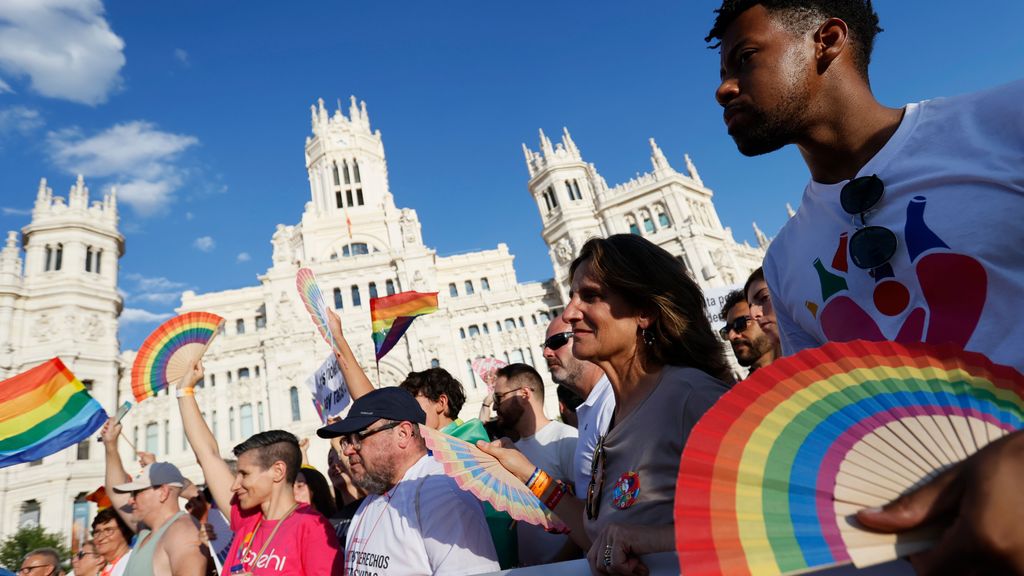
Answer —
(44, 411)
(392, 315)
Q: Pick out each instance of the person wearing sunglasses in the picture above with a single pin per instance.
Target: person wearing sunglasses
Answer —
(41, 562)
(589, 381)
(752, 347)
(908, 230)
(636, 313)
(87, 561)
(415, 520)
(112, 538)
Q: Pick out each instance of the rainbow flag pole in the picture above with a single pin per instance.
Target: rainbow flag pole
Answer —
(392, 315)
(43, 411)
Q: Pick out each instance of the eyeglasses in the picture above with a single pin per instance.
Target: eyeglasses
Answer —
(556, 341)
(498, 396)
(355, 439)
(102, 532)
(596, 480)
(135, 493)
(738, 325)
(82, 554)
(870, 246)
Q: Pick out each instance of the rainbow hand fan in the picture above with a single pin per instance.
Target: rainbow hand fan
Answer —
(772, 475)
(484, 477)
(486, 368)
(170, 350)
(311, 296)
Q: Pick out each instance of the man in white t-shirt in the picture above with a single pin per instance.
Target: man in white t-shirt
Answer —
(550, 445)
(909, 229)
(588, 380)
(415, 520)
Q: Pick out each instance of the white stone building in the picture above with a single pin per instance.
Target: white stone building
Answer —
(360, 244)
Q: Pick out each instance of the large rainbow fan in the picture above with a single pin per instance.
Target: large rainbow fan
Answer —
(484, 477)
(170, 350)
(313, 299)
(772, 475)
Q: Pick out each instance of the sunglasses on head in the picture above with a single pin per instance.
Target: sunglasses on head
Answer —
(738, 326)
(556, 341)
(870, 246)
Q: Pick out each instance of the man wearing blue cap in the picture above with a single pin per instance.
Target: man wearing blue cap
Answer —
(415, 519)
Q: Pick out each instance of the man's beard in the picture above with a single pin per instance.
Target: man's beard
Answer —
(571, 375)
(768, 130)
(376, 481)
(756, 348)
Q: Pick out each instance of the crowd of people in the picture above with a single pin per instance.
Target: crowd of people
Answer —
(636, 359)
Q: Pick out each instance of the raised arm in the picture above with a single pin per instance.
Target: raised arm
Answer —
(115, 473)
(204, 445)
(356, 380)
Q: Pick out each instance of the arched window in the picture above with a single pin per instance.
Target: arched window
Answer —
(484, 284)
(231, 423)
(98, 258)
(452, 290)
(359, 196)
(498, 325)
(470, 376)
(633, 228)
(243, 373)
(474, 330)
(510, 324)
(48, 265)
(506, 357)
(29, 516)
(229, 377)
(334, 170)
(337, 198)
(373, 289)
(521, 323)
(576, 187)
(544, 317)
(568, 190)
(516, 357)
(356, 300)
(88, 259)
(245, 420)
(469, 287)
(59, 257)
(389, 287)
(355, 170)
(240, 326)
(486, 329)
(435, 363)
(344, 169)
(533, 317)
(213, 380)
(462, 333)
(261, 321)
(348, 197)
(355, 249)
(554, 198)
(648, 223)
(547, 203)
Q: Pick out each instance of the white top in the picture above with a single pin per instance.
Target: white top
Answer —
(594, 415)
(424, 525)
(954, 195)
(552, 449)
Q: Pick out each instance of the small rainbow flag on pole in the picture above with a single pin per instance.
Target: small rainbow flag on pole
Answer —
(392, 315)
(44, 411)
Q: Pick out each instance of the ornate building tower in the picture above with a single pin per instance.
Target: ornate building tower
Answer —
(63, 302)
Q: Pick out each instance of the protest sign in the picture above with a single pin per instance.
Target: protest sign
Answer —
(330, 394)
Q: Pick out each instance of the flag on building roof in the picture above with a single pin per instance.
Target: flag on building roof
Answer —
(392, 315)
(43, 411)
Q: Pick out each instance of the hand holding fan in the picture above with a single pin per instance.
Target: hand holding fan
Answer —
(486, 368)
(313, 299)
(484, 477)
(169, 352)
(772, 475)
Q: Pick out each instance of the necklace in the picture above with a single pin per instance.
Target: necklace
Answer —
(244, 547)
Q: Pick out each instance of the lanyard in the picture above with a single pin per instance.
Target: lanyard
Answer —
(248, 539)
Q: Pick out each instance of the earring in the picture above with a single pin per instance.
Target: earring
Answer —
(648, 337)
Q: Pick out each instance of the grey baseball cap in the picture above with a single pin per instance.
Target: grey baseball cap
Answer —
(156, 474)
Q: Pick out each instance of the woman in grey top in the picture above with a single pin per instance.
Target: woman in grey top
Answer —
(636, 313)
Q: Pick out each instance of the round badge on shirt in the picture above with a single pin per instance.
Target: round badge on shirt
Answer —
(626, 490)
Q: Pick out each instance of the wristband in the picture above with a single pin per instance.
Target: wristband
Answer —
(182, 392)
(541, 484)
(533, 477)
(556, 494)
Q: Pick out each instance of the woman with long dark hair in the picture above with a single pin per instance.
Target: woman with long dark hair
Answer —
(635, 313)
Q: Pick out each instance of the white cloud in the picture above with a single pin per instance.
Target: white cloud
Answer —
(140, 316)
(16, 211)
(19, 120)
(153, 283)
(181, 56)
(243, 257)
(5, 87)
(189, 215)
(205, 243)
(153, 290)
(65, 47)
(139, 157)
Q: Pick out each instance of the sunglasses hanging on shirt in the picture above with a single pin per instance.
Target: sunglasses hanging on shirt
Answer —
(870, 246)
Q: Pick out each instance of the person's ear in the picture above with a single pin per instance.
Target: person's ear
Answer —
(442, 405)
(831, 39)
(279, 471)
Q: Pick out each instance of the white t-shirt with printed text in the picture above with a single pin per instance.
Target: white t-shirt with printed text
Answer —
(424, 525)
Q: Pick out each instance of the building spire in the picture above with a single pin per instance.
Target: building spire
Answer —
(545, 145)
(692, 170)
(789, 210)
(570, 145)
(762, 240)
(658, 160)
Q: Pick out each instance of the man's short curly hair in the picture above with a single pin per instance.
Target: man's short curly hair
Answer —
(800, 16)
(433, 382)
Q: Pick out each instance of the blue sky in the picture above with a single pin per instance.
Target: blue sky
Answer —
(199, 110)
